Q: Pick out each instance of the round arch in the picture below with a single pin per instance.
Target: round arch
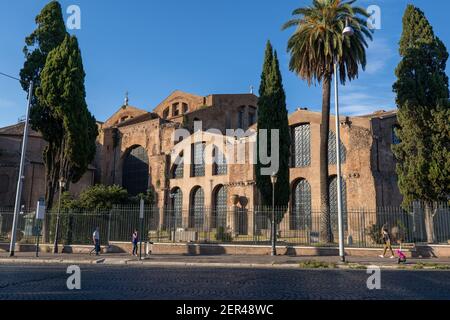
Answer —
(301, 217)
(196, 207)
(135, 170)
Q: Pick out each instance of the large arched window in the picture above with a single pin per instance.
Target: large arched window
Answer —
(332, 159)
(135, 173)
(177, 207)
(219, 162)
(301, 205)
(302, 145)
(220, 197)
(197, 208)
(334, 204)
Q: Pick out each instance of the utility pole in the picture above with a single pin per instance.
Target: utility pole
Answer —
(21, 178)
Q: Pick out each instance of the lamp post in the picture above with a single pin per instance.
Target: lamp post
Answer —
(62, 186)
(172, 207)
(273, 179)
(347, 32)
(21, 178)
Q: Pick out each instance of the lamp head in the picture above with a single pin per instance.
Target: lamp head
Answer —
(348, 31)
(274, 178)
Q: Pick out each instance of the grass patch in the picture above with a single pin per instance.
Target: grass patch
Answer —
(313, 264)
(436, 266)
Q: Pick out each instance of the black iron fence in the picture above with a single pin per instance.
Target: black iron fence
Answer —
(231, 225)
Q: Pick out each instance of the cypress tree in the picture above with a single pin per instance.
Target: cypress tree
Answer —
(424, 116)
(49, 34)
(62, 93)
(272, 114)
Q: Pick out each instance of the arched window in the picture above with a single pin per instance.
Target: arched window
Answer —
(177, 207)
(334, 205)
(219, 163)
(332, 149)
(178, 168)
(220, 197)
(135, 172)
(197, 208)
(302, 145)
(301, 205)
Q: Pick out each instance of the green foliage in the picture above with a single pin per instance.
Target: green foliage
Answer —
(62, 92)
(102, 197)
(59, 111)
(318, 40)
(424, 112)
(272, 114)
(374, 233)
(49, 34)
(223, 236)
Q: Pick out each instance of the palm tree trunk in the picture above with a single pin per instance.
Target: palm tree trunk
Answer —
(326, 235)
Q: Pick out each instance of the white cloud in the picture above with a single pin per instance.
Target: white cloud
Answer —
(379, 55)
(364, 100)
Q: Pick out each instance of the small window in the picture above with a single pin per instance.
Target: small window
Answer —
(185, 108)
(166, 113)
(251, 119)
(175, 109)
(241, 118)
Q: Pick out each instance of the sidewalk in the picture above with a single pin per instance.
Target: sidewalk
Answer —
(226, 261)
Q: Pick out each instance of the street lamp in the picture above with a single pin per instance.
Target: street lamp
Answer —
(21, 177)
(273, 179)
(347, 32)
(62, 186)
(174, 219)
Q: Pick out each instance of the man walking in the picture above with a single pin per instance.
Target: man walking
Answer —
(96, 241)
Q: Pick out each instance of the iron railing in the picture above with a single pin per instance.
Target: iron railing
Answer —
(230, 225)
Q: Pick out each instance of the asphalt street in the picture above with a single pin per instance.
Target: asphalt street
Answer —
(99, 282)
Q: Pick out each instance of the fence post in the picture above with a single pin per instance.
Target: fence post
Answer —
(109, 226)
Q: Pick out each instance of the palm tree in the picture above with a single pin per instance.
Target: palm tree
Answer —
(314, 47)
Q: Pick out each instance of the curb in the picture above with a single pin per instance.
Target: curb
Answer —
(124, 262)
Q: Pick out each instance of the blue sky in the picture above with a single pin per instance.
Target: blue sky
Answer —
(152, 47)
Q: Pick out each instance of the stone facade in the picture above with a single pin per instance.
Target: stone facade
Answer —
(34, 186)
(137, 146)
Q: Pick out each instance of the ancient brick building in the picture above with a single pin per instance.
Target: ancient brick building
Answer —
(138, 149)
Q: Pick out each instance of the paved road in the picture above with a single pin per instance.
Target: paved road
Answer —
(126, 282)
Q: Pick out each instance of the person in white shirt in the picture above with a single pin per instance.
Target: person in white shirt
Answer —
(96, 241)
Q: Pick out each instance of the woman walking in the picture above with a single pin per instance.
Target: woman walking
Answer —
(387, 242)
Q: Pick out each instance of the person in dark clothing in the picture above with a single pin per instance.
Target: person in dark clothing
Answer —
(135, 241)
(387, 242)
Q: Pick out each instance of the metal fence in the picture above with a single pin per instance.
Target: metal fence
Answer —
(231, 225)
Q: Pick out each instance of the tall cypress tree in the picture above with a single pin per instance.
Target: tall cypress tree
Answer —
(62, 94)
(272, 114)
(424, 116)
(49, 34)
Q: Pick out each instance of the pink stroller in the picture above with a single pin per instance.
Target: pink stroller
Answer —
(401, 255)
